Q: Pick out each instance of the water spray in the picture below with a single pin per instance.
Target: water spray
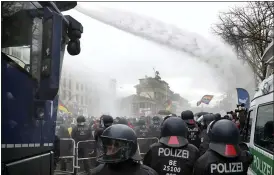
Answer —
(229, 70)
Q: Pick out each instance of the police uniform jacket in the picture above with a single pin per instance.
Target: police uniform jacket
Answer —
(176, 161)
(62, 131)
(155, 131)
(142, 131)
(204, 142)
(213, 163)
(128, 168)
(194, 134)
(81, 133)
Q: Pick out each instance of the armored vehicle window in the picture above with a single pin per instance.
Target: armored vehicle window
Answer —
(264, 128)
(21, 31)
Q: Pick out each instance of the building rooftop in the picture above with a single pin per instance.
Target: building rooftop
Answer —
(137, 97)
(155, 79)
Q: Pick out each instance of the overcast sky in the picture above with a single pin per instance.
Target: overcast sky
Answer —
(117, 54)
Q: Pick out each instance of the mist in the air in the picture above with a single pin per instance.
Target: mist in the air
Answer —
(102, 87)
(217, 55)
(229, 72)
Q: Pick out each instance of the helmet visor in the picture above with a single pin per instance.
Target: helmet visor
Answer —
(156, 121)
(200, 119)
(114, 150)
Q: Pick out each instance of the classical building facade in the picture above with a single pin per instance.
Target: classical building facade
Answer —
(75, 93)
(152, 95)
(83, 94)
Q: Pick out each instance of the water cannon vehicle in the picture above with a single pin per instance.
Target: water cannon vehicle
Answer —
(34, 38)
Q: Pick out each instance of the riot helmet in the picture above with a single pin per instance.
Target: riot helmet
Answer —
(81, 120)
(116, 120)
(133, 121)
(230, 117)
(217, 116)
(123, 121)
(165, 118)
(142, 118)
(156, 120)
(174, 132)
(226, 117)
(106, 121)
(188, 117)
(118, 144)
(141, 122)
(170, 115)
(206, 119)
(173, 115)
(224, 138)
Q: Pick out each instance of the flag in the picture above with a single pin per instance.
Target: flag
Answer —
(168, 104)
(69, 130)
(205, 99)
(243, 97)
(62, 107)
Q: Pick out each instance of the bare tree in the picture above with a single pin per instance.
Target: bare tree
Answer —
(249, 30)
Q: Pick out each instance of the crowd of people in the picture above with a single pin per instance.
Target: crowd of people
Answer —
(204, 143)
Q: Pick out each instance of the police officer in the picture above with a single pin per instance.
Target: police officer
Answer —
(122, 121)
(61, 132)
(82, 132)
(224, 155)
(226, 117)
(56, 148)
(105, 121)
(173, 154)
(61, 128)
(142, 130)
(119, 153)
(117, 119)
(155, 128)
(205, 121)
(166, 117)
(193, 129)
(218, 116)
